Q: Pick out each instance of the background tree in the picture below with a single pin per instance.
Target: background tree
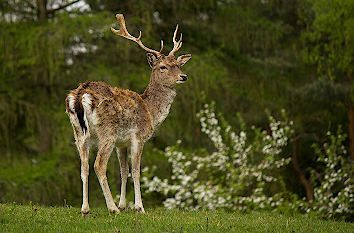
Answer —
(248, 56)
(328, 42)
(33, 9)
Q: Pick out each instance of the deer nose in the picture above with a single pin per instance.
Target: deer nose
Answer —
(184, 77)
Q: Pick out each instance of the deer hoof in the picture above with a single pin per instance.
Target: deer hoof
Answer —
(140, 210)
(121, 208)
(114, 211)
(85, 212)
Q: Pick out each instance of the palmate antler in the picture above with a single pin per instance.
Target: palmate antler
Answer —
(124, 33)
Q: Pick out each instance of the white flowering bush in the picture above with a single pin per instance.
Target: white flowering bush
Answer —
(242, 173)
(334, 184)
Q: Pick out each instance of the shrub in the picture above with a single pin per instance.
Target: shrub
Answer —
(240, 174)
(244, 171)
(333, 184)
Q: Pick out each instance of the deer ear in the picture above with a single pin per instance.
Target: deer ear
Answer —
(183, 59)
(151, 59)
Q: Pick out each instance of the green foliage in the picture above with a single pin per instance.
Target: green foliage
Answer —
(242, 173)
(36, 218)
(246, 58)
(39, 180)
(329, 36)
(248, 33)
(35, 76)
(334, 185)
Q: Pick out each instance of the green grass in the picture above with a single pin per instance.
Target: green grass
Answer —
(26, 218)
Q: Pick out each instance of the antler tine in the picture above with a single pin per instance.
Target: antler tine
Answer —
(161, 46)
(176, 44)
(124, 33)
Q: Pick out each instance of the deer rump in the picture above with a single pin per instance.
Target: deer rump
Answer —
(81, 102)
(93, 103)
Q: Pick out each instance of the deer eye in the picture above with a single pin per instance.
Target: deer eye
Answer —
(163, 67)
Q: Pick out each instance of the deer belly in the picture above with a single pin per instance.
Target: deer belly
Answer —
(124, 137)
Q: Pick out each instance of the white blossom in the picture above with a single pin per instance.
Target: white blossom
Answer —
(231, 177)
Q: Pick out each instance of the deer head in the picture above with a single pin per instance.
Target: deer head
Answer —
(165, 69)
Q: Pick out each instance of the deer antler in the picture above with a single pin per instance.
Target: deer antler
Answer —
(124, 33)
(176, 44)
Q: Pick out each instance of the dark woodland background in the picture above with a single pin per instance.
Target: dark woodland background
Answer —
(248, 56)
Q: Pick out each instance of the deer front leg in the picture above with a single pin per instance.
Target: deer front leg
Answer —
(124, 169)
(100, 166)
(136, 149)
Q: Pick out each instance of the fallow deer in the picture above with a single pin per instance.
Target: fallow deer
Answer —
(119, 118)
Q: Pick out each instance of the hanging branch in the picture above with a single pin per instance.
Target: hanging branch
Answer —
(30, 4)
(51, 11)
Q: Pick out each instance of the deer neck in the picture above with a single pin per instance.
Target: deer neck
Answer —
(158, 99)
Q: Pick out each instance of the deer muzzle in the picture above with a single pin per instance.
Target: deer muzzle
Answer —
(182, 79)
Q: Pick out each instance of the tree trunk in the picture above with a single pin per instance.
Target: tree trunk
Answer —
(303, 180)
(351, 129)
(42, 13)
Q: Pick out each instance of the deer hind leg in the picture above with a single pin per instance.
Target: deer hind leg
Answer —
(124, 169)
(83, 146)
(84, 150)
(136, 150)
(104, 152)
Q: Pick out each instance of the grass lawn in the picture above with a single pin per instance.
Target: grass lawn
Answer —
(26, 218)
